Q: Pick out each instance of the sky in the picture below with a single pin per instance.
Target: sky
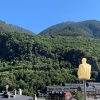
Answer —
(37, 15)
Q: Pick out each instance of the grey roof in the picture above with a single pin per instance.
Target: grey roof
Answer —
(89, 88)
(93, 83)
(18, 97)
(57, 86)
(40, 99)
(63, 94)
(73, 85)
(97, 87)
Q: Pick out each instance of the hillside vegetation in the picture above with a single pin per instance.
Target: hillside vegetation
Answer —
(69, 31)
(88, 27)
(12, 28)
(31, 62)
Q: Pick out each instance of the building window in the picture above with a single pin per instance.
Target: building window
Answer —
(65, 89)
(51, 89)
(57, 89)
(97, 92)
(60, 89)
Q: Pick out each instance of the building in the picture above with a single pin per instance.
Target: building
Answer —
(97, 90)
(17, 97)
(92, 89)
(42, 93)
(57, 88)
(49, 89)
(73, 87)
(59, 96)
(93, 84)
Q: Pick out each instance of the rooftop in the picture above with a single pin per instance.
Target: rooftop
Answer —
(18, 97)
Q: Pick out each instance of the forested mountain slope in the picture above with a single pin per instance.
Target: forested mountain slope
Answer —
(31, 62)
(12, 28)
(69, 31)
(88, 27)
(91, 27)
(56, 28)
(4, 27)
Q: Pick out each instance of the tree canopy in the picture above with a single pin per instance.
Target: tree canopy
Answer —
(31, 62)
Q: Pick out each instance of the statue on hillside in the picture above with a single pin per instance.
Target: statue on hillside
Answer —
(84, 70)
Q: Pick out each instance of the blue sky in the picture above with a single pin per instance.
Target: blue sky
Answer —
(37, 15)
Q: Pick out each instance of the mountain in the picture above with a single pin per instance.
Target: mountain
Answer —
(88, 27)
(19, 29)
(4, 27)
(56, 28)
(31, 62)
(91, 27)
(12, 28)
(69, 31)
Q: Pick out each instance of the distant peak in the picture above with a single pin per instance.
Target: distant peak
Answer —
(71, 21)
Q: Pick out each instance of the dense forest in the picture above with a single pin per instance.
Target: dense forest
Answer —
(31, 62)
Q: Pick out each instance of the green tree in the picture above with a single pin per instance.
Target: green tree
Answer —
(78, 96)
(94, 74)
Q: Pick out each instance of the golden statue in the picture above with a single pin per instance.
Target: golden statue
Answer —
(84, 70)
